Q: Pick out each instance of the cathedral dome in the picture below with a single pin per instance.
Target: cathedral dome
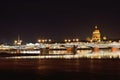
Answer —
(96, 34)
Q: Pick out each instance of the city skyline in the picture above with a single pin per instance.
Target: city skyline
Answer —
(95, 37)
(58, 20)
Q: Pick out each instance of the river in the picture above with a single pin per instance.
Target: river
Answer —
(59, 69)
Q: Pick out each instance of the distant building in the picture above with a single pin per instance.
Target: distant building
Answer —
(96, 36)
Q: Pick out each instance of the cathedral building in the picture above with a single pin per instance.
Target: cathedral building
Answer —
(96, 36)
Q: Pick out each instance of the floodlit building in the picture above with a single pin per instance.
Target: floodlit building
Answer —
(96, 36)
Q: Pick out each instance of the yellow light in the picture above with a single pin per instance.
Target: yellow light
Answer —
(69, 40)
(43, 40)
(49, 40)
(15, 41)
(77, 39)
(20, 41)
(104, 38)
(39, 40)
(73, 40)
(65, 40)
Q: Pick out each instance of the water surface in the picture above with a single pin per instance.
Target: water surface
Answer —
(60, 69)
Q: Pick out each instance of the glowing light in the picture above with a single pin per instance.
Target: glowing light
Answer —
(49, 40)
(69, 40)
(73, 40)
(77, 39)
(17, 42)
(43, 40)
(39, 40)
(104, 38)
(65, 40)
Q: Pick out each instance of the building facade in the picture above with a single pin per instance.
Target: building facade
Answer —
(96, 35)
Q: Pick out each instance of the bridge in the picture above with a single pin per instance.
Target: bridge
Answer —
(61, 45)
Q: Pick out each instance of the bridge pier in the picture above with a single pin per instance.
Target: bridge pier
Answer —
(69, 50)
(18, 51)
(96, 49)
(72, 49)
(44, 50)
(114, 49)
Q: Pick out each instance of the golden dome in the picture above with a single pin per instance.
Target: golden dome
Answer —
(96, 34)
(96, 30)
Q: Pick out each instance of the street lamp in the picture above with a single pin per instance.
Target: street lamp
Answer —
(44, 40)
(104, 38)
(49, 40)
(69, 40)
(65, 40)
(77, 40)
(15, 42)
(39, 40)
(73, 40)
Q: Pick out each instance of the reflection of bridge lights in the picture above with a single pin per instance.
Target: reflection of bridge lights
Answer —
(67, 56)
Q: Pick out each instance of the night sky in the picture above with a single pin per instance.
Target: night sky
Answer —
(58, 20)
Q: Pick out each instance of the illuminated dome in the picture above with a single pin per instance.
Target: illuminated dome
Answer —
(96, 30)
(96, 34)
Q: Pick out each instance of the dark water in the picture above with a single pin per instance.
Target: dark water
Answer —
(59, 69)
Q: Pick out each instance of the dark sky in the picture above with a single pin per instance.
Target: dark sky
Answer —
(58, 20)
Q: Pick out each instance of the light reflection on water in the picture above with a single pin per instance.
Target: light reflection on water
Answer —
(50, 68)
(69, 52)
(69, 55)
(58, 52)
(35, 68)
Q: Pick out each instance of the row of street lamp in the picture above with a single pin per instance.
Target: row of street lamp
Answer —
(18, 42)
(71, 40)
(44, 40)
